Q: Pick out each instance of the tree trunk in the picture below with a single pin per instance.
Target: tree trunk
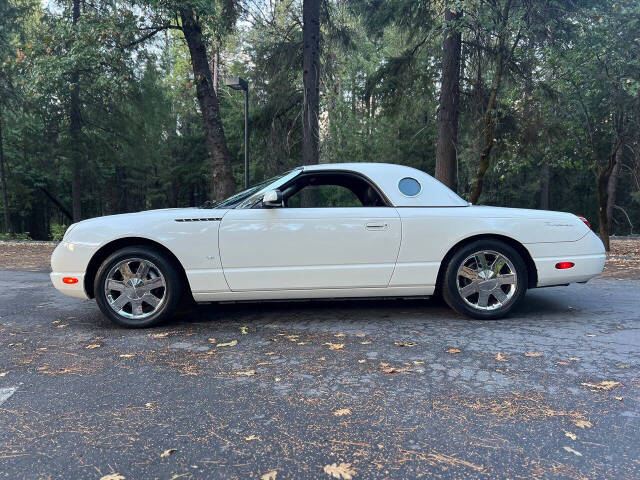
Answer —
(311, 80)
(222, 176)
(612, 185)
(489, 119)
(544, 188)
(75, 126)
(446, 151)
(57, 203)
(6, 228)
(215, 66)
(604, 176)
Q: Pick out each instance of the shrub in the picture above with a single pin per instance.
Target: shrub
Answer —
(57, 231)
(5, 237)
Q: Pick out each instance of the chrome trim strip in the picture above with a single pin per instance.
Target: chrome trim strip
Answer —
(214, 219)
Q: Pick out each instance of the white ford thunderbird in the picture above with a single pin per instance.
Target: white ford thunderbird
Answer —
(325, 231)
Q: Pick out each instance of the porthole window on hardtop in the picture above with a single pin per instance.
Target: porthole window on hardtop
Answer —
(409, 187)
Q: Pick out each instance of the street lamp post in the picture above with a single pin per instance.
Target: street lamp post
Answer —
(238, 83)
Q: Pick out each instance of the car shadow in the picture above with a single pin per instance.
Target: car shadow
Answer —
(533, 306)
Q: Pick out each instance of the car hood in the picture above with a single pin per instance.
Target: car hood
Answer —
(152, 222)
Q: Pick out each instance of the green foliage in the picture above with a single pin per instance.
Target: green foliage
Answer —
(57, 231)
(8, 237)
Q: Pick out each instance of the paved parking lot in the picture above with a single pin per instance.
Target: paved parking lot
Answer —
(365, 389)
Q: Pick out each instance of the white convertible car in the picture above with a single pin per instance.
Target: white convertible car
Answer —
(325, 231)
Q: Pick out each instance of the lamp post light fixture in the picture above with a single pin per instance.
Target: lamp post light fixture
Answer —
(238, 83)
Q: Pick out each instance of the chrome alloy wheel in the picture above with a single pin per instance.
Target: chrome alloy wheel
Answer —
(135, 288)
(486, 280)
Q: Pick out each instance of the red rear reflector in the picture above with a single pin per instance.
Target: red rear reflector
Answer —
(564, 265)
(69, 280)
(586, 222)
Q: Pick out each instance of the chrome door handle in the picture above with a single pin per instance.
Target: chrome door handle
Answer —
(377, 226)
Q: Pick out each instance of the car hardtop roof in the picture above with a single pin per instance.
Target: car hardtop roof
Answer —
(387, 175)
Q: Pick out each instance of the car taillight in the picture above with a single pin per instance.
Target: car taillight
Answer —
(586, 222)
(69, 280)
(564, 265)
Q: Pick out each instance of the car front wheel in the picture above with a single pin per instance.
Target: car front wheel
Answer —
(485, 279)
(137, 287)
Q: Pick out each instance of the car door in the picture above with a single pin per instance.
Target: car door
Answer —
(338, 242)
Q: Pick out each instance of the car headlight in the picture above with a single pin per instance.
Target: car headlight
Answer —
(71, 227)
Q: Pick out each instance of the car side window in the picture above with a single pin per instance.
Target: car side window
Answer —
(324, 196)
(331, 190)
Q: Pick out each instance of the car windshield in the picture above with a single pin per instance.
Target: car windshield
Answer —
(240, 197)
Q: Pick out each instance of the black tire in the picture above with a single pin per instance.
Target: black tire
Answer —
(451, 282)
(171, 291)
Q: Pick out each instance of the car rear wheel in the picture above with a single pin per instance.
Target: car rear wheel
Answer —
(137, 287)
(485, 279)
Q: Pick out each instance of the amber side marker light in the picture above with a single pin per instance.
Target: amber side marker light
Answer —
(564, 265)
(69, 280)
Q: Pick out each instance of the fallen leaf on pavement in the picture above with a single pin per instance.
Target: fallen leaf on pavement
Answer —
(246, 373)
(148, 405)
(362, 360)
(92, 346)
(623, 365)
(571, 450)
(168, 452)
(418, 362)
(251, 437)
(113, 476)
(388, 369)
(269, 475)
(341, 471)
(335, 346)
(405, 344)
(618, 398)
(3, 374)
(532, 354)
(159, 335)
(583, 423)
(244, 330)
(500, 357)
(453, 350)
(574, 359)
(572, 436)
(212, 340)
(342, 412)
(232, 343)
(127, 355)
(339, 335)
(604, 385)
(366, 342)
(590, 335)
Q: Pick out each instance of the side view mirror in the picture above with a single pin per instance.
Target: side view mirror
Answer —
(272, 199)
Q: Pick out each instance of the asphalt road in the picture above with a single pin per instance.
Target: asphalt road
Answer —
(373, 384)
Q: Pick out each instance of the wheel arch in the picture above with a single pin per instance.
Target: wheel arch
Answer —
(532, 271)
(115, 245)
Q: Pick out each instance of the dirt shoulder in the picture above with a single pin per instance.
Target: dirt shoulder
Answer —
(624, 259)
(27, 256)
(623, 262)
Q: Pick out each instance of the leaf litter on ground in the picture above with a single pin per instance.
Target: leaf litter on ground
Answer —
(342, 471)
